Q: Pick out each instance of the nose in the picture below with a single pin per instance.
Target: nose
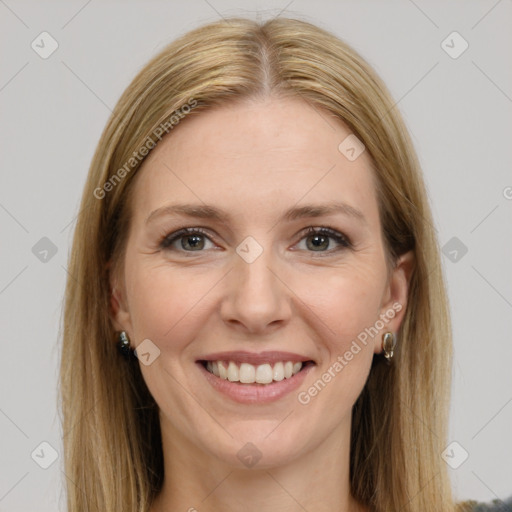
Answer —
(257, 301)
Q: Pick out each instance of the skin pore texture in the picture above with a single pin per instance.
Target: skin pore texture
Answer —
(255, 160)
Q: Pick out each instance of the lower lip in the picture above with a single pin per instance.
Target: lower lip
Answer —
(255, 393)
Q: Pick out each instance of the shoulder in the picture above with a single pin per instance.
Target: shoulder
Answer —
(493, 506)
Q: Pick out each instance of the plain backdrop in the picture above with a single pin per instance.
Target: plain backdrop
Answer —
(457, 105)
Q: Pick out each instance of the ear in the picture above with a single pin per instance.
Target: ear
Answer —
(119, 312)
(394, 303)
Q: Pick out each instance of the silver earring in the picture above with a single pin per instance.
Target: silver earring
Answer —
(123, 345)
(388, 345)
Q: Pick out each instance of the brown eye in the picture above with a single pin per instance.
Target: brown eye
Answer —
(187, 240)
(193, 242)
(320, 240)
(317, 242)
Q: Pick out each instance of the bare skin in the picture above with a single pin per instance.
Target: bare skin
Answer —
(305, 293)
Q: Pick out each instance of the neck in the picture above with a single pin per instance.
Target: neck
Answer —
(318, 481)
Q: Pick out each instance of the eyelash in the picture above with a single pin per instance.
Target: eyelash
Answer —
(340, 238)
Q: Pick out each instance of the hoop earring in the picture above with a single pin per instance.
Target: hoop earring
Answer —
(388, 345)
(123, 345)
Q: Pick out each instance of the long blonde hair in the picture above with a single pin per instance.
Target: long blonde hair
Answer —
(113, 454)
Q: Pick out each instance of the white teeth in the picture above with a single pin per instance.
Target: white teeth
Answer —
(223, 372)
(249, 374)
(264, 374)
(278, 371)
(233, 372)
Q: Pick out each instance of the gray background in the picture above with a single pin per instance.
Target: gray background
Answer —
(53, 110)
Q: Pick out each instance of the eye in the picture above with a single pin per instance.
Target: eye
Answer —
(319, 240)
(189, 240)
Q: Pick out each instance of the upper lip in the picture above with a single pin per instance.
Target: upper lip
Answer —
(255, 358)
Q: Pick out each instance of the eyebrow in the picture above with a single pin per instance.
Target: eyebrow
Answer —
(204, 211)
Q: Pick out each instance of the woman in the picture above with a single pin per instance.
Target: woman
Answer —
(266, 375)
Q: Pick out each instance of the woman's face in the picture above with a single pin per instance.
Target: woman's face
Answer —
(254, 289)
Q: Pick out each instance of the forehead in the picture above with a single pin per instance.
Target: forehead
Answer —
(256, 157)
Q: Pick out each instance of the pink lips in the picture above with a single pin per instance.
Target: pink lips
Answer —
(255, 393)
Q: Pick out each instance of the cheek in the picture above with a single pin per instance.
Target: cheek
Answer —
(356, 307)
(165, 304)
(346, 300)
(348, 305)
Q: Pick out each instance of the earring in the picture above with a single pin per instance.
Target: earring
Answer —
(388, 345)
(123, 345)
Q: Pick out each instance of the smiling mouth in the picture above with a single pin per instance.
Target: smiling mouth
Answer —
(246, 373)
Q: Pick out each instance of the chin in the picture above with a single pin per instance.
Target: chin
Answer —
(255, 446)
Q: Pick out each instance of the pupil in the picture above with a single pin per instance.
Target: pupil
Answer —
(194, 241)
(319, 240)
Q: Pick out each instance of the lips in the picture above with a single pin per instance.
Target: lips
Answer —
(248, 377)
